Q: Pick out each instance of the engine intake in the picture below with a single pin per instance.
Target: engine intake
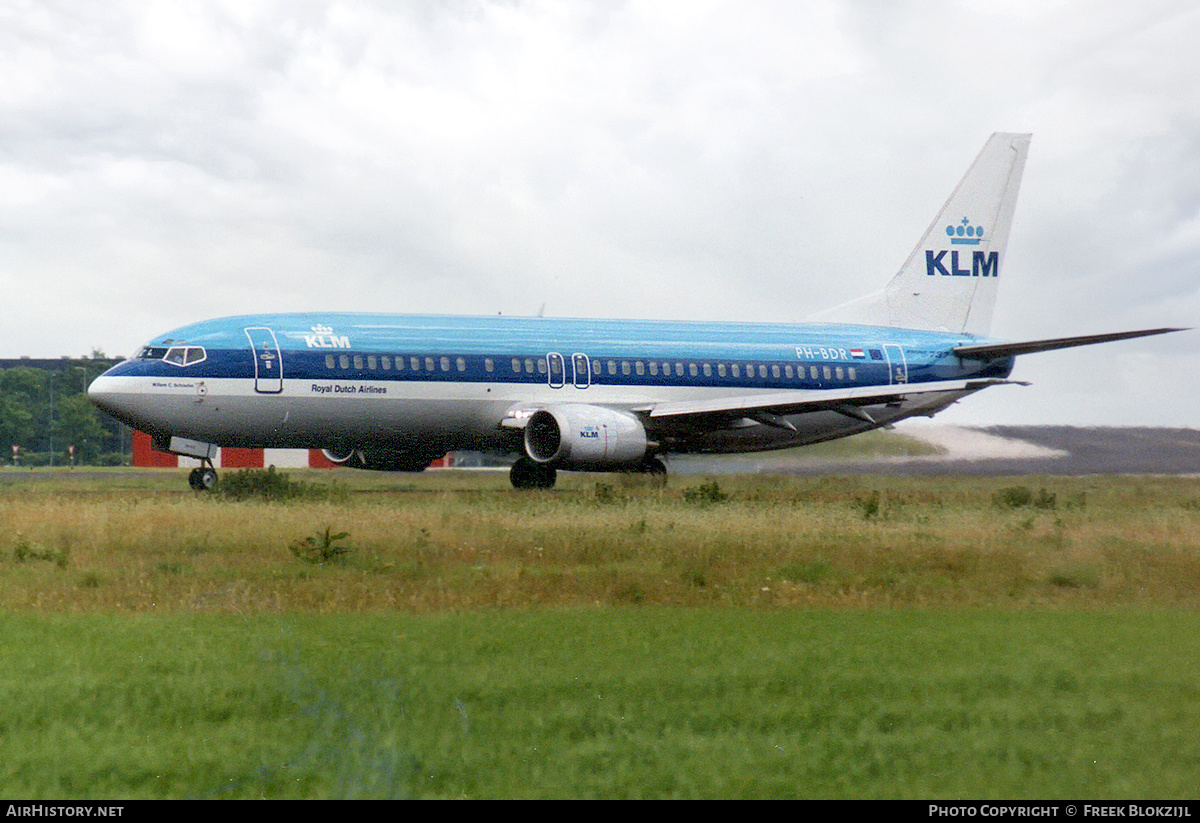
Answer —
(573, 436)
(343, 457)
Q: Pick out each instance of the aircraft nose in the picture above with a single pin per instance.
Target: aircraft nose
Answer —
(104, 392)
(100, 389)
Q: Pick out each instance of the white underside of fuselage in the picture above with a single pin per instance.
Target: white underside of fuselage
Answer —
(443, 414)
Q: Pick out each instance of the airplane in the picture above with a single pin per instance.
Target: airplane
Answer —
(393, 392)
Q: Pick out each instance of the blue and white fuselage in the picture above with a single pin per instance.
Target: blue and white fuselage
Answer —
(428, 384)
(395, 391)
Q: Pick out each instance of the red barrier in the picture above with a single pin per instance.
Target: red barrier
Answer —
(146, 456)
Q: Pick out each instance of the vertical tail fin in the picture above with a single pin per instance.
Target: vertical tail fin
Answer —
(949, 281)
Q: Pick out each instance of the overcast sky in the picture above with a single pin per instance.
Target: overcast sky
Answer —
(162, 163)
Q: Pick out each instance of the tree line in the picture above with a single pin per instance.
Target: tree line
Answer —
(46, 414)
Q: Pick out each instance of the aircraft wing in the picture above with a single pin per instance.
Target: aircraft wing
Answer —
(770, 407)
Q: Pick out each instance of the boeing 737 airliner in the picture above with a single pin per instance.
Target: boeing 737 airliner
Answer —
(392, 392)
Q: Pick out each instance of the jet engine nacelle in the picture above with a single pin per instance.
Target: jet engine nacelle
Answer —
(346, 457)
(574, 436)
(382, 460)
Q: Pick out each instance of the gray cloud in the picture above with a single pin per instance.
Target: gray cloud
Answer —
(164, 163)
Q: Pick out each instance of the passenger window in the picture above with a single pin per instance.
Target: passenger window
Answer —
(679, 370)
(516, 366)
(812, 372)
(828, 374)
(460, 364)
(720, 370)
(654, 368)
(640, 368)
(344, 361)
(707, 370)
(529, 365)
(625, 370)
(596, 367)
(612, 367)
(737, 370)
(775, 372)
(692, 370)
(329, 361)
(787, 371)
(399, 364)
(489, 365)
(429, 364)
(853, 374)
(840, 374)
(762, 372)
(358, 361)
(445, 361)
(372, 363)
(386, 362)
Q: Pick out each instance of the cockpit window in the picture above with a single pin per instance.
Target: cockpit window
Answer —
(151, 353)
(185, 355)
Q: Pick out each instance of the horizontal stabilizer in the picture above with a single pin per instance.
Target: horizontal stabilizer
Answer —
(991, 351)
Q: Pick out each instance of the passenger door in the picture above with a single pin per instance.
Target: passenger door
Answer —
(268, 363)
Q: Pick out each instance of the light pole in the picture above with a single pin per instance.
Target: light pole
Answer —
(50, 427)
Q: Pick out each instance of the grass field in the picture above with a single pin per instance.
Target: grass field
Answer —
(443, 636)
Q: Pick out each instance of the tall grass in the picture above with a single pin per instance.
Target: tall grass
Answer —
(734, 541)
(728, 637)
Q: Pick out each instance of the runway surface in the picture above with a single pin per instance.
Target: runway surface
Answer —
(993, 451)
(997, 451)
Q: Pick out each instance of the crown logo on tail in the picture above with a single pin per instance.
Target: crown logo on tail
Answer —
(964, 234)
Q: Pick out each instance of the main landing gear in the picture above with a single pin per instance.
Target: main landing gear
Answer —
(204, 478)
(529, 474)
(526, 474)
(655, 469)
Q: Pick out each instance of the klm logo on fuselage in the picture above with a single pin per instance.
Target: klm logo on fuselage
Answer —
(324, 338)
(983, 264)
